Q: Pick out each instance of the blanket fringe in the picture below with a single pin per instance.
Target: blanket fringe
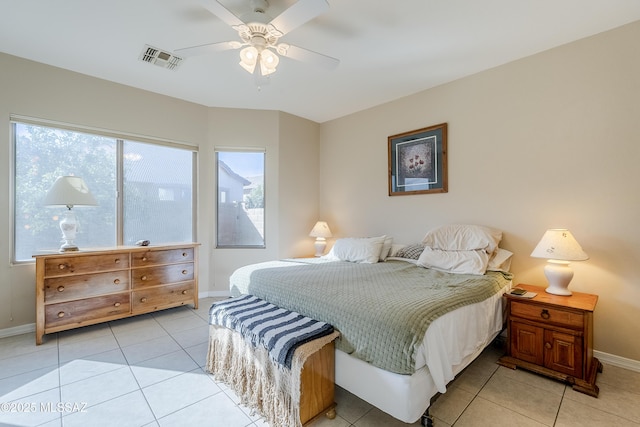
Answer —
(261, 384)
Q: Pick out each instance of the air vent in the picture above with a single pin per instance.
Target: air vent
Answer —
(159, 57)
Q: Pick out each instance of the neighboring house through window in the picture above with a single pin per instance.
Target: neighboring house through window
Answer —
(240, 199)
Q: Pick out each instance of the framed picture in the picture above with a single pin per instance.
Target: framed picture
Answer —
(418, 161)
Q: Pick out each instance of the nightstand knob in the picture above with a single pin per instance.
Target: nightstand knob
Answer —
(116, 282)
(143, 278)
(545, 314)
(62, 266)
(184, 254)
(117, 261)
(144, 258)
(60, 288)
(184, 271)
(143, 299)
(116, 304)
(61, 314)
(547, 346)
(184, 292)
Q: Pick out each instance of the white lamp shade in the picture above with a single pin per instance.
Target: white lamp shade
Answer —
(321, 229)
(69, 191)
(559, 244)
(558, 247)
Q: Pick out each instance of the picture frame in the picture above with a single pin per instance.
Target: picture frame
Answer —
(418, 161)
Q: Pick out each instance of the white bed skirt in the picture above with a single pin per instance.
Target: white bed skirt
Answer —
(451, 343)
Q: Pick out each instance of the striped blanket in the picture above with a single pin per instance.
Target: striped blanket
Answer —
(278, 330)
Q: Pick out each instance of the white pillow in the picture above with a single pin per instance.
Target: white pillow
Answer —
(395, 247)
(500, 261)
(386, 248)
(459, 237)
(461, 262)
(365, 250)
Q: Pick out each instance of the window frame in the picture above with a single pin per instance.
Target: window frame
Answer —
(120, 138)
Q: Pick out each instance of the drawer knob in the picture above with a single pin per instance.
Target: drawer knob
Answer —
(144, 258)
(62, 266)
(184, 271)
(61, 314)
(547, 346)
(184, 292)
(116, 304)
(143, 299)
(116, 282)
(60, 288)
(143, 278)
(184, 254)
(545, 314)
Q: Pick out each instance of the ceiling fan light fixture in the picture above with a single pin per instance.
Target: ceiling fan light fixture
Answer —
(268, 62)
(249, 58)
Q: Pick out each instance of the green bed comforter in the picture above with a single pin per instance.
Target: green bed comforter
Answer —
(381, 310)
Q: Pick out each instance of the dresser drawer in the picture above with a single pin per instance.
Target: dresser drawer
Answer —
(170, 256)
(160, 275)
(541, 313)
(81, 311)
(150, 299)
(66, 288)
(63, 266)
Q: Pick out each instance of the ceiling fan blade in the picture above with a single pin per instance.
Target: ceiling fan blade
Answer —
(221, 12)
(299, 13)
(311, 57)
(204, 48)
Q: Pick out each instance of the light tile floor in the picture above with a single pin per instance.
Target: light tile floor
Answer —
(148, 371)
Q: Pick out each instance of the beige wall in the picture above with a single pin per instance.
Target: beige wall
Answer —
(36, 90)
(552, 140)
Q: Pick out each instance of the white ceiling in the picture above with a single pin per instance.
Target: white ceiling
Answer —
(387, 49)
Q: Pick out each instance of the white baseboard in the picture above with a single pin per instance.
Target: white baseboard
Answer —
(621, 362)
(214, 294)
(18, 330)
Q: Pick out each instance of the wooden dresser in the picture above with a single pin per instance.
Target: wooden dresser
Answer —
(75, 289)
(552, 335)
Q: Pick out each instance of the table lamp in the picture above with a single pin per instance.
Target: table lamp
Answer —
(69, 191)
(320, 231)
(558, 247)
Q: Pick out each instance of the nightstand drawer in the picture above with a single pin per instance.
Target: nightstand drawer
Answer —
(545, 314)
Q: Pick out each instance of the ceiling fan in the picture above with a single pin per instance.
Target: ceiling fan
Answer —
(260, 36)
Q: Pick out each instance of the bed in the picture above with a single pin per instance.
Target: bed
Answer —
(408, 323)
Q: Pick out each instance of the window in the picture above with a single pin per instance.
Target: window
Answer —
(156, 183)
(240, 199)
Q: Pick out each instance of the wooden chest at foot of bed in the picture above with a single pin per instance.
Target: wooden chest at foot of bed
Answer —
(284, 397)
(317, 385)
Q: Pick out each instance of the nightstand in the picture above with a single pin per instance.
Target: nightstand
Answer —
(552, 335)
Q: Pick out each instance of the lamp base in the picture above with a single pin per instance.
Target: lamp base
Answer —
(559, 274)
(69, 227)
(68, 247)
(320, 246)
